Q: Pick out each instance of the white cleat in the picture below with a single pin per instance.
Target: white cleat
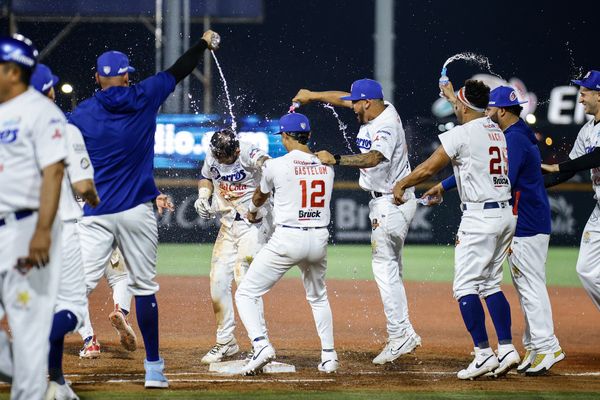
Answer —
(543, 362)
(485, 361)
(526, 362)
(508, 358)
(329, 362)
(264, 353)
(219, 351)
(394, 348)
(60, 392)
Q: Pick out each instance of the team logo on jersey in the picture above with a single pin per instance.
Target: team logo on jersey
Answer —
(23, 299)
(84, 163)
(57, 134)
(309, 214)
(374, 224)
(363, 143)
(253, 152)
(586, 237)
(8, 135)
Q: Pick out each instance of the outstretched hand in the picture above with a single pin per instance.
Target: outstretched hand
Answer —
(163, 202)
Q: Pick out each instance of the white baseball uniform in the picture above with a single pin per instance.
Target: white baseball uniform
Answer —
(390, 222)
(32, 137)
(588, 262)
(479, 158)
(71, 293)
(301, 212)
(238, 241)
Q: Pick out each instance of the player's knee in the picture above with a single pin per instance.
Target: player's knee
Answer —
(488, 291)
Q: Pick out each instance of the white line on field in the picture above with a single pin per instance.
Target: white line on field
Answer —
(215, 380)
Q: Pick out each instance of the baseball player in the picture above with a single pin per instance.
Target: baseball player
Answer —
(302, 186)
(477, 151)
(233, 168)
(383, 161)
(529, 248)
(32, 154)
(118, 125)
(71, 303)
(586, 155)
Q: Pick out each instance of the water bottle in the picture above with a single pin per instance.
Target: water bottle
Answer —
(443, 80)
(425, 201)
(215, 40)
(293, 107)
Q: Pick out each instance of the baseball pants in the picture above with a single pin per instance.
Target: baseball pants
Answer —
(588, 262)
(527, 261)
(390, 225)
(135, 232)
(28, 301)
(482, 243)
(232, 254)
(71, 291)
(286, 248)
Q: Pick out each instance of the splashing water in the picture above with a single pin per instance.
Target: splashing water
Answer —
(473, 58)
(342, 126)
(229, 103)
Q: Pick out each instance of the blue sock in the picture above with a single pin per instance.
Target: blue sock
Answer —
(474, 317)
(500, 312)
(63, 323)
(146, 309)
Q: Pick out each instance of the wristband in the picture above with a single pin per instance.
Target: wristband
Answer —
(252, 208)
(337, 158)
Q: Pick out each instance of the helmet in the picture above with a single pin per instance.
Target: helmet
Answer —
(19, 50)
(224, 143)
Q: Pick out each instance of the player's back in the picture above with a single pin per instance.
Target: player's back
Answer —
(303, 189)
(479, 156)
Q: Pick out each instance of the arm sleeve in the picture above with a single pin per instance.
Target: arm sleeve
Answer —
(384, 142)
(556, 178)
(79, 166)
(449, 183)
(587, 161)
(266, 180)
(452, 141)
(49, 137)
(188, 61)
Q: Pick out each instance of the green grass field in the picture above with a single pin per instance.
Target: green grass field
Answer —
(421, 263)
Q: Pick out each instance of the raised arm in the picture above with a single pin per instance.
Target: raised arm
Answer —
(305, 96)
(190, 59)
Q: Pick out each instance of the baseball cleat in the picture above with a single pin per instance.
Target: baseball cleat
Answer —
(219, 351)
(329, 362)
(526, 362)
(56, 391)
(91, 348)
(155, 377)
(543, 362)
(508, 357)
(126, 334)
(485, 361)
(394, 348)
(264, 353)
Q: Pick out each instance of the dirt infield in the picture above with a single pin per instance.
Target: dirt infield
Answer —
(187, 332)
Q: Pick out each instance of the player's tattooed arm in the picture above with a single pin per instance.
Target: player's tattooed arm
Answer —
(87, 191)
(438, 160)
(365, 160)
(305, 96)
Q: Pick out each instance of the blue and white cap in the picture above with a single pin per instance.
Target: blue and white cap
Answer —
(504, 96)
(364, 89)
(293, 122)
(19, 50)
(42, 79)
(591, 80)
(113, 63)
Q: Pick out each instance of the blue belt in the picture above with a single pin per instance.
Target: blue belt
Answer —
(18, 215)
(304, 228)
(489, 205)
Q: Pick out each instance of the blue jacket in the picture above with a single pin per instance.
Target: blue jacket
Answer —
(529, 197)
(118, 127)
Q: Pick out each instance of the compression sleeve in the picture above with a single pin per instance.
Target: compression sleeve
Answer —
(586, 161)
(188, 61)
(556, 178)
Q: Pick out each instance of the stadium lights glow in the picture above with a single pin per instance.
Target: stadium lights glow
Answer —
(548, 141)
(66, 88)
(531, 119)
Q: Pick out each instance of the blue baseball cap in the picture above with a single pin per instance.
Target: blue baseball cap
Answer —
(591, 80)
(113, 63)
(364, 89)
(19, 50)
(293, 122)
(504, 96)
(42, 79)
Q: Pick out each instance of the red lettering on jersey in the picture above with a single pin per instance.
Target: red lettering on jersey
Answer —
(57, 134)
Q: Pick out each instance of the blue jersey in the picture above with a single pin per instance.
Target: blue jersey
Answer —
(529, 197)
(118, 126)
